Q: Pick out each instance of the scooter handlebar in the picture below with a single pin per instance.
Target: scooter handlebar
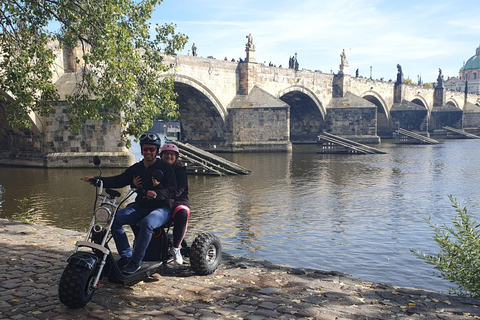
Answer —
(95, 182)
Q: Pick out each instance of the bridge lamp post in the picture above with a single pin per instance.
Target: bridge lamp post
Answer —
(371, 73)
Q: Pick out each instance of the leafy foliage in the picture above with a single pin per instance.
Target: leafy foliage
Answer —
(428, 85)
(459, 258)
(121, 62)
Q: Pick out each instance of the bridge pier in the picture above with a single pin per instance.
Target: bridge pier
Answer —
(259, 122)
(442, 114)
(350, 116)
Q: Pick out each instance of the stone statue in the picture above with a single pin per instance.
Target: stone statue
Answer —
(440, 78)
(250, 45)
(399, 74)
(356, 73)
(343, 57)
(194, 50)
(293, 62)
(343, 61)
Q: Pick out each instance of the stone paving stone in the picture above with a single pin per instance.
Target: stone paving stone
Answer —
(10, 284)
(46, 315)
(267, 313)
(207, 316)
(248, 308)
(253, 302)
(287, 309)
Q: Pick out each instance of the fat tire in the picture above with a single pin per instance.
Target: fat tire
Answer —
(75, 289)
(205, 254)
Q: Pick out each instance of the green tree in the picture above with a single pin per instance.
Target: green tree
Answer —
(428, 85)
(121, 61)
(459, 256)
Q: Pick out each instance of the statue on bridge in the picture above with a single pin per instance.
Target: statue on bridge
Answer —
(399, 74)
(194, 50)
(250, 45)
(343, 61)
(250, 49)
(440, 79)
(293, 62)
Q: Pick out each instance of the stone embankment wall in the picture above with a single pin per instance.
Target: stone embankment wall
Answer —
(56, 146)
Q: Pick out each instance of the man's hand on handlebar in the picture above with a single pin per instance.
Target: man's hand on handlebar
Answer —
(89, 179)
(92, 180)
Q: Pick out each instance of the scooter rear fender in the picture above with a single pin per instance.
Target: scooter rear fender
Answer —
(83, 259)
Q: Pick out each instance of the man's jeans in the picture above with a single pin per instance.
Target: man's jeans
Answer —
(131, 215)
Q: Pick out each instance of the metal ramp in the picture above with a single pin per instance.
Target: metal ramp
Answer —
(199, 161)
(408, 137)
(452, 132)
(329, 143)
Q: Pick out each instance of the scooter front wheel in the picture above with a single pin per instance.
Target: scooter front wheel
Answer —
(75, 289)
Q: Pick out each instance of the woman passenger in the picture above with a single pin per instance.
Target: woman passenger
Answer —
(181, 204)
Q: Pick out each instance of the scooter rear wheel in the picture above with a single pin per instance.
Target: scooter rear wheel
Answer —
(75, 289)
(205, 254)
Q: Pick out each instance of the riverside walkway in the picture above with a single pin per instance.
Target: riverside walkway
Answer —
(33, 259)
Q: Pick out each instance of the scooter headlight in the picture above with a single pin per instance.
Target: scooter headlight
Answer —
(102, 214)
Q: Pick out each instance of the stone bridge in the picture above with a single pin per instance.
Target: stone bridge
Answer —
(250, 106)
(246, 106)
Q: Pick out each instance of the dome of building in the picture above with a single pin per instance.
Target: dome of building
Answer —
(470, 73)
(473, 62)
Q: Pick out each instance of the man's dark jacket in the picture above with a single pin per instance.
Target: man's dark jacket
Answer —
(164, 193)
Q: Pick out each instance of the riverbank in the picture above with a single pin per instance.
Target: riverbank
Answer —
(34, 259)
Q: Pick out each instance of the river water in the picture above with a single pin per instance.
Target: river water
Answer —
(357, 214)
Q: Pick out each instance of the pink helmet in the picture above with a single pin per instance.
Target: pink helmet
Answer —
(169, 147)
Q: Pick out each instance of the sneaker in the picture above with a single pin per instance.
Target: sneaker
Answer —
(177, 255)
(131, 268)
(122, 262)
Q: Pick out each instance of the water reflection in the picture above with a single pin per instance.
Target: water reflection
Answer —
(356, 214)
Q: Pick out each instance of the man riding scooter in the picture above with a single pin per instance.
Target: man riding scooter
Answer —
(151, 208)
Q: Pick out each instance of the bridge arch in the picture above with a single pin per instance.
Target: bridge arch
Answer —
(383, 115)
(307, 114)
(453, 103)
(306, 92)
(421, 101)
(179, 78)
(202, 115)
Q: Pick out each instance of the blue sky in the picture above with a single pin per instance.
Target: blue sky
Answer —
(421, 36)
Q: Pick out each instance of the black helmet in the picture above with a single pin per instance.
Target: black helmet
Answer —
(150, 138)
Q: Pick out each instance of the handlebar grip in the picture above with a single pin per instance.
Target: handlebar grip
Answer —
(95, 182)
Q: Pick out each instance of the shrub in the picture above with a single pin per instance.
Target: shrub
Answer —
(459, 256)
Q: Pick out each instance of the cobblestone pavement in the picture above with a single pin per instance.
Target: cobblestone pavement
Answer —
(33, 259)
